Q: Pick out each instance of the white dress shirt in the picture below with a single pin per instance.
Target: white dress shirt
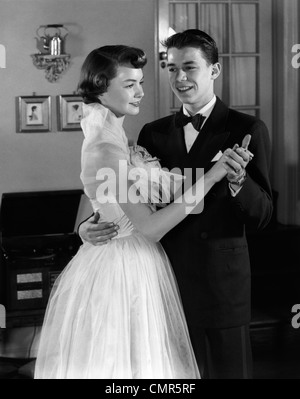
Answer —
(190, 133)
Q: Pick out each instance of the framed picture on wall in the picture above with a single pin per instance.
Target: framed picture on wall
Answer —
(33, 114)
(69, 112)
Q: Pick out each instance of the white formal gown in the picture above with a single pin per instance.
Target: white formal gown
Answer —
(115, 311)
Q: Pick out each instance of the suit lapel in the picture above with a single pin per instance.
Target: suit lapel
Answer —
(175, 148)
(211, 138)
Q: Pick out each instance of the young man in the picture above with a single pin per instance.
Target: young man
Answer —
(209, 251)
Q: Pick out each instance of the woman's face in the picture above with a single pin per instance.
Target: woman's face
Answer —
(124, 92)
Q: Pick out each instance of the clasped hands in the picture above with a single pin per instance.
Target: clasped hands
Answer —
(233, 163)
(237, 162)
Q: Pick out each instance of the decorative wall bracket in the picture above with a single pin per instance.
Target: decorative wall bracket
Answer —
(54, 65)
(51, 56)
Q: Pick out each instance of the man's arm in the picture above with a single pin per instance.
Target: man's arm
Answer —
(253, 203)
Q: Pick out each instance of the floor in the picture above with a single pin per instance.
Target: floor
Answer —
(9, 368)
(276, 354)
(275, 343)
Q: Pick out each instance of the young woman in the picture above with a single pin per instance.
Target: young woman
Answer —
(115, 311)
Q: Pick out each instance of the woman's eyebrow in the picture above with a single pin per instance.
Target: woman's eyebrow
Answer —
(133, 80)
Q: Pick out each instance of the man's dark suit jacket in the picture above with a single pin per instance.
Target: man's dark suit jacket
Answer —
(209, 251)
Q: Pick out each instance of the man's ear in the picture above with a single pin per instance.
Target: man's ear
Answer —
(216, 70)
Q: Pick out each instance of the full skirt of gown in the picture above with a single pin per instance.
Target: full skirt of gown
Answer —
(115, 313)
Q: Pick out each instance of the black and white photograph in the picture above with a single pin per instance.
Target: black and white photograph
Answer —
(74, 113)
(69, 110)
(154, 234)
(33, 114)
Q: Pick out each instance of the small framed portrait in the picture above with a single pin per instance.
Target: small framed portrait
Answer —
(33, 114)
(69, 112)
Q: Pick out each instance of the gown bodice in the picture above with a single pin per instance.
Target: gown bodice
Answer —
(105, 144)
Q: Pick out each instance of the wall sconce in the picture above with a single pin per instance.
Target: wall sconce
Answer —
(51, 56)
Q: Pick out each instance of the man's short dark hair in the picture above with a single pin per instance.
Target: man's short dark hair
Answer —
(100, 67)
(194, 38)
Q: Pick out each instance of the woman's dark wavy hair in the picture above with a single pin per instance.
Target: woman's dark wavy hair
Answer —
(194, 38)
(100, 67)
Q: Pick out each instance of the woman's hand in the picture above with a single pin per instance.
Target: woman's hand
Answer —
(221, 167)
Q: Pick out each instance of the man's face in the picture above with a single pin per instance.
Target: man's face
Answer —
(191, 78)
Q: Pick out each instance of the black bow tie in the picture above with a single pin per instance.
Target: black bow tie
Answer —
(182, 120)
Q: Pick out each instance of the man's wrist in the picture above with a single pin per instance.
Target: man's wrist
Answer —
(239, 181)
(234, 188)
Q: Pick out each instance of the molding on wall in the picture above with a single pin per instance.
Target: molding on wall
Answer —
(286, 154)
